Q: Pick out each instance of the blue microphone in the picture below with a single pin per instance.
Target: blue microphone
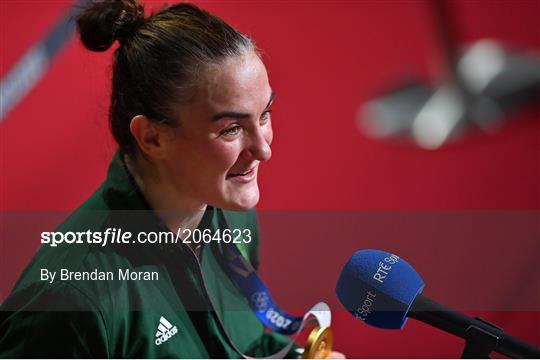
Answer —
(383, 290)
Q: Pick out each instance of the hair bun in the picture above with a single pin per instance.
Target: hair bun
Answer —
(103, 22)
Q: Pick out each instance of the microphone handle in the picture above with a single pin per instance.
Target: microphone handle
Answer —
(429, 311)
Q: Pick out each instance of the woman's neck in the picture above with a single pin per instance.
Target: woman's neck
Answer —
(174, 209)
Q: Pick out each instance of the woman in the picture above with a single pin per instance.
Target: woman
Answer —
(190, 111)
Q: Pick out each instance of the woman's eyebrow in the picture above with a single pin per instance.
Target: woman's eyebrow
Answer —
(238, 115)
(230, 114)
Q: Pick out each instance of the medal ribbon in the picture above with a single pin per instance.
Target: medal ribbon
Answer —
(260, 299)
(261, 302)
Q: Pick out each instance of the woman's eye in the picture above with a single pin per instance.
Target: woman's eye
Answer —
(265, 116)
(231, 131)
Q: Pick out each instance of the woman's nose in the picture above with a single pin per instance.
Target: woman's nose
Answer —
(259, 145)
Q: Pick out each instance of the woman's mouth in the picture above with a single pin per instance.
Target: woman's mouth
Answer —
(243, 177)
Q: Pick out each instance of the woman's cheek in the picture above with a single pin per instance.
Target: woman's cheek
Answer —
(226, 154)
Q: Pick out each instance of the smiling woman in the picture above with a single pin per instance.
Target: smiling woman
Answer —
(190, 111)
(213, 154)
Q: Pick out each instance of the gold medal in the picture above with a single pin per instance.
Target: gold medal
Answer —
(319, 343)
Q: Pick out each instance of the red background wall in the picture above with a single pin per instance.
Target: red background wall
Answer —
(324, 60)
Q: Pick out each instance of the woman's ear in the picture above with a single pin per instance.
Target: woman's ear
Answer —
(149, 136)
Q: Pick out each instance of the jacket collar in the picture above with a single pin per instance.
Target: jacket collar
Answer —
(120, 189)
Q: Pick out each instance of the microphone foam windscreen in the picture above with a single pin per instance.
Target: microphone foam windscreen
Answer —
(378, 288)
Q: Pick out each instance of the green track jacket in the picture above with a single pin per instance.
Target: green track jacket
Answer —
(192, 309)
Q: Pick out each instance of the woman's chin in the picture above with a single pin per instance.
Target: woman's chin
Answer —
(242, 201)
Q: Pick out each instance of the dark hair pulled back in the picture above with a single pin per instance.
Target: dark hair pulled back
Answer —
(159, 58)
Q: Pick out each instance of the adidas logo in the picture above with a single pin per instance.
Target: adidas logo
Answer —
(165, 331)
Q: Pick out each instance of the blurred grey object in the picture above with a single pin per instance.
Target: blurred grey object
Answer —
(482, 85)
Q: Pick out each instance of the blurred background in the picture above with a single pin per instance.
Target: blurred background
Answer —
(381, 106)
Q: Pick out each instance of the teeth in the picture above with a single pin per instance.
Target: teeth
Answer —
(241, 174)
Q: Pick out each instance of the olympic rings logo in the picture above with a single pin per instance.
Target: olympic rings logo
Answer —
(260, 300)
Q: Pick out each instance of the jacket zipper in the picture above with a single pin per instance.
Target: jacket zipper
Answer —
(213, 308)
